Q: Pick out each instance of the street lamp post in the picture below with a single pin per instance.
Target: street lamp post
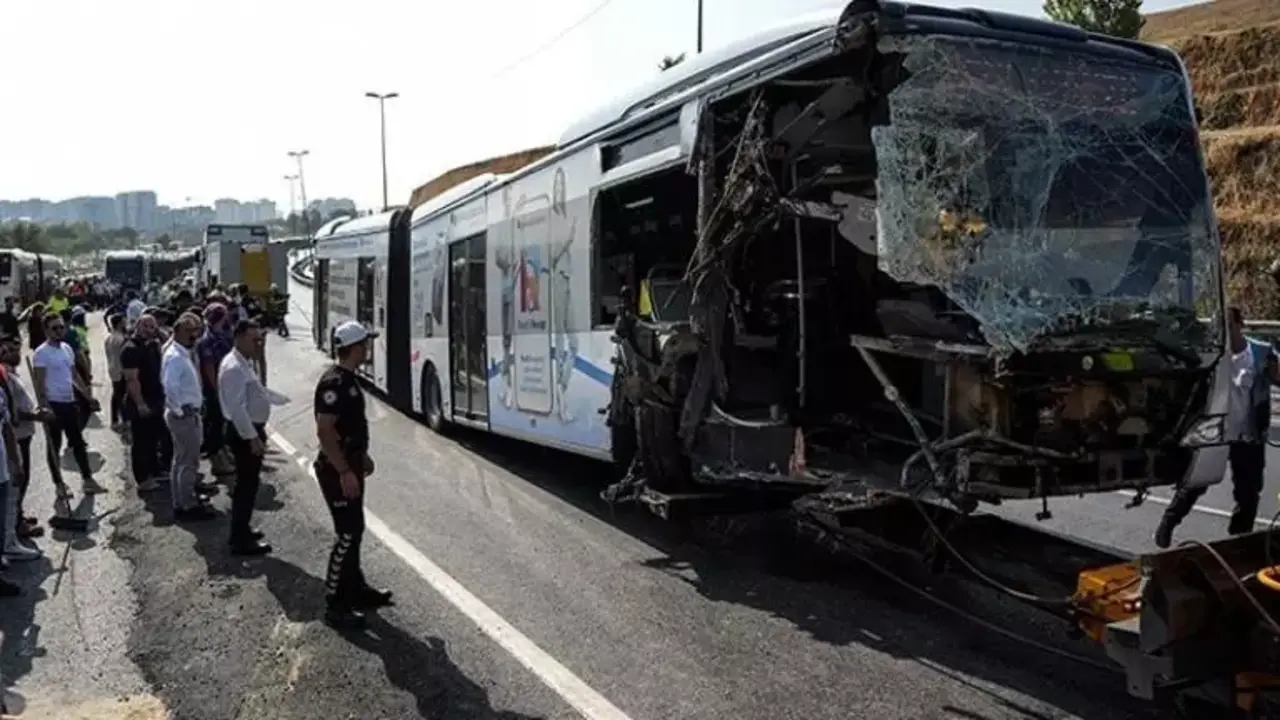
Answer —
(302, 189)
(699, 27)
(382, 112)
(293, 205)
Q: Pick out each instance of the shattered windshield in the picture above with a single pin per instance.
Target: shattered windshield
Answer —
(1042, 190)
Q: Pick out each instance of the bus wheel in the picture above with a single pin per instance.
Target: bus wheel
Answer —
(432, 404)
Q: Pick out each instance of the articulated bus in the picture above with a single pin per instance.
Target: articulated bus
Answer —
(497, 300)
(27, 277)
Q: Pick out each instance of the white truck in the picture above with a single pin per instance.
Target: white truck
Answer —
(243, 254)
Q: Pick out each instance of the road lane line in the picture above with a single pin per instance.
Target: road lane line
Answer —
(1199, 508)
(559, 679)
(284, 445)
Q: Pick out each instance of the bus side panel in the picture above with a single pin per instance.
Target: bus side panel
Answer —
(541, 282)
(430, 316)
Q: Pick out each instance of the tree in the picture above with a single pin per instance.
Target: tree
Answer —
(670, 61)
(24, 236)
(1118, 18)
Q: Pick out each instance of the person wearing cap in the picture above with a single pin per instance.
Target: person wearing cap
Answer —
(341, 469)
(246, 408)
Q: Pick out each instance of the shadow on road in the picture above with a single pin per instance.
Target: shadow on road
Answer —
(762, 562)
(420, 666)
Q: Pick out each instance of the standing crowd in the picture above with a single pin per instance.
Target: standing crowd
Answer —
(187, 381)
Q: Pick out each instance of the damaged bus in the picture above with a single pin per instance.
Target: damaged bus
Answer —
(893, 252)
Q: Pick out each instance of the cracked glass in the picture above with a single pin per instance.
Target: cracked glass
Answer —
(1050, 195)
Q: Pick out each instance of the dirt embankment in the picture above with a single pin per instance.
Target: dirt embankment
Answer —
(1232, 52)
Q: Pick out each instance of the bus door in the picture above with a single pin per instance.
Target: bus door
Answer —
(364, 305)
(531, 381)
(380, 322)
(468, 347)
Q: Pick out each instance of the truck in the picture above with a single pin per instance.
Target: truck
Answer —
(243, 254)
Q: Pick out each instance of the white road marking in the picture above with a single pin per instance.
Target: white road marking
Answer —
(284, 445)
(572, 689)
(1199, 508)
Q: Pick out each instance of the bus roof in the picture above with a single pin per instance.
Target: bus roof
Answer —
(454, 195)
(363, 225)
(330, 227)
(698, 71)
(124, 255)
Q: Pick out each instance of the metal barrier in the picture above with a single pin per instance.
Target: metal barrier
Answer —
(301, 270)
(1263, 329)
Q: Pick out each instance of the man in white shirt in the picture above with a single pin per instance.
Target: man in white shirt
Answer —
(183, 400)
(246, 408)
(23, 416)
(56, 383)
(1255, 369)
(9, 472)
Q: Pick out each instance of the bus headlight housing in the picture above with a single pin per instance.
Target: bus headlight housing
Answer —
(1206, 432)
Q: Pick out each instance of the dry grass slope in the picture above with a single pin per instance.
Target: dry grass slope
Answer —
(1210, 17)
(1232, 52)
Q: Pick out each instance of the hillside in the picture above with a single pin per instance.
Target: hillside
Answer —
(1232, 52)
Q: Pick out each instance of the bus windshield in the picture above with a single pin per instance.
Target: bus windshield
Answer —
(126, 271)
(1063, 190)
(6, 266)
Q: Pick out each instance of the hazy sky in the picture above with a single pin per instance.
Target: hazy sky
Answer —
(201, 99)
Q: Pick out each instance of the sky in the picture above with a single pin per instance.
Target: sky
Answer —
(202, 99)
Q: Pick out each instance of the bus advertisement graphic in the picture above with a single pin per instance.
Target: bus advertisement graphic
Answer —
(532, 342)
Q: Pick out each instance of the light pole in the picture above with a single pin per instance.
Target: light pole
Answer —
(302, 189)
(382, 112)
(699, 27)
(293, 205)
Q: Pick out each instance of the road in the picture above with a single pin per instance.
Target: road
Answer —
(519, 596)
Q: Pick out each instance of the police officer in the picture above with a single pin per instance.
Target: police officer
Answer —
(341, 468)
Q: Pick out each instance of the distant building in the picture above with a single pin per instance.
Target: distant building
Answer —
(137, 210)
(227, 210)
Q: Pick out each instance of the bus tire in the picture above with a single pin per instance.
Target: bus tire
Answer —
(432, 400)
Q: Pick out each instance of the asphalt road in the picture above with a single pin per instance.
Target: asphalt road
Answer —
(519, 596)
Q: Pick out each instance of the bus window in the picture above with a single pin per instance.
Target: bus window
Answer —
(646, 235)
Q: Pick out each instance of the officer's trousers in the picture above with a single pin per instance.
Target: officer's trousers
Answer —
(344, 579)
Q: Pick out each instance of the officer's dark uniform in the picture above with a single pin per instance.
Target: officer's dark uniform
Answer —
(339, 393)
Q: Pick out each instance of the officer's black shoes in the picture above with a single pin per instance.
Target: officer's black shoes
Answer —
(341, 617)
(1164, 535)
(207, 488)
(8, 589)
(372, 599)
(199, 513)
(249, 548)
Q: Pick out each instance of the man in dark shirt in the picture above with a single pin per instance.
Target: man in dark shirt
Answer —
(144, 402)
(9, 320)
(211, 348)
(341, 468)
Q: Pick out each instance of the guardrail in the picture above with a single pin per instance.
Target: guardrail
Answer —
(300, 270)
(1263, 329)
